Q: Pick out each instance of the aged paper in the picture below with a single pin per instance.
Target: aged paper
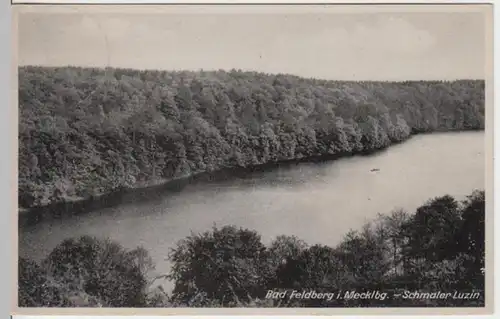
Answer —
(254, 159)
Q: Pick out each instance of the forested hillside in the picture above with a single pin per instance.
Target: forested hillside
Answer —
(438, 248)
(85, 132)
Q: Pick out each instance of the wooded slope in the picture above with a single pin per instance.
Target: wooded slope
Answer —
(86, 131)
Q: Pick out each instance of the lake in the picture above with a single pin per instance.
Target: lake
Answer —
(318, 202)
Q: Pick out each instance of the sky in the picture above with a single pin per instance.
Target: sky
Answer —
(395, 44)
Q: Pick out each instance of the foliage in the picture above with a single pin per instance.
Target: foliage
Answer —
(317, 268)
(102, 269)
(434, 229)
(471, 239)
(283, 248)
(85, 132)
(226, 264)
(35, 289)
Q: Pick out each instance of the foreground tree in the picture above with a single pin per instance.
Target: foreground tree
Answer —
(103, 269)
(37, 289)
(433, 229)
(226, 264)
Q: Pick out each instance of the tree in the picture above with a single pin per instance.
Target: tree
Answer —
(318, 268)
(471, 237)
(365, 256)
(103, 269)
(36, 289)
(225, 265)
(433, 229)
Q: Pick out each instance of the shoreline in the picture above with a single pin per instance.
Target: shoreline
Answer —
(32, 216)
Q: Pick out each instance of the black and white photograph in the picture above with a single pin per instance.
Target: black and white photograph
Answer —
(253, 156)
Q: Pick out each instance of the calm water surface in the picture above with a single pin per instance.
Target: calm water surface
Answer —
(317, 202)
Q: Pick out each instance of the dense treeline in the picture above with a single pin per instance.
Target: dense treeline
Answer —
(438, 248)
(85, 132)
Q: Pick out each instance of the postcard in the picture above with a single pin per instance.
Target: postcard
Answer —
(254, 159)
